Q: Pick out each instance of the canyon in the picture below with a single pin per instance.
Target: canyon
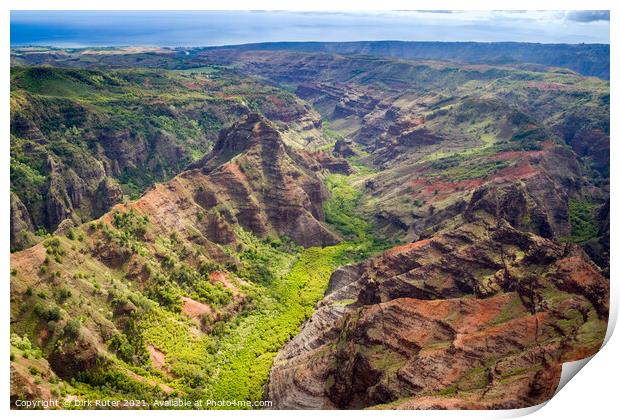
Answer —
(343, 227)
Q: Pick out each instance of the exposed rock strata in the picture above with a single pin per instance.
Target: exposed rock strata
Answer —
(21, 224)
(478, 317)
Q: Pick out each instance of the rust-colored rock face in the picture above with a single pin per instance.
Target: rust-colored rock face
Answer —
(329, 162)
(478, 317)
(492, 180)
(251, 179)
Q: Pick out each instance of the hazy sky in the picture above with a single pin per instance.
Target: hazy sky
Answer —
(204, 28)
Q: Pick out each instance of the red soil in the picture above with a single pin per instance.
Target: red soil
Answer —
(234, 169)
(193, 85)
(220, 277)
(158, 358)
(29, 261)
(522, 154)
(516, 154)
(404, 248)
(425, 188)
(195, 309)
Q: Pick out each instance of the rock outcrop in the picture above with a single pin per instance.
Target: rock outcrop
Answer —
(250, 183)
(70, 156)
(334, 164)
(251, 179)
(497, 180)
(22, 229)
(481, 316)
(343, 148)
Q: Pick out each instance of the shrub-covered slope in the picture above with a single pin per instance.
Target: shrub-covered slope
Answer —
(493, 179)
(190, 290)
(436, 132)
(82, 140)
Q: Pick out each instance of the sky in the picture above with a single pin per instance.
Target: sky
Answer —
(209, 28)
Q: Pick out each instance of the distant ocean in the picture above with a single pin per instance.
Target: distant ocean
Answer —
(205, 28)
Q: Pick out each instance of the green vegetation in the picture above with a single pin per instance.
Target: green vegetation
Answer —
(246, 352)
(456, 171)
(530, 139)
(332, 134)
(224, 353)
(510, 311)
(341, 208)
(107, 383)
(342, 211)
(72, 328)
(132, 224)
(149, 124)
(264, 261)
(174, 315)
(48, 312)
(581, 216)
(284, 282)
(25, 346)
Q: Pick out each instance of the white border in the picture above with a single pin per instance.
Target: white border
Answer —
(317, 5)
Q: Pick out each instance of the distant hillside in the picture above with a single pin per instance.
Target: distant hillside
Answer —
(586, 59)
(82, 140)
(316, 230)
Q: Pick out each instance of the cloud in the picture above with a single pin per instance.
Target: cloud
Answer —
(204, 28)
(588, 15)
(446, 12)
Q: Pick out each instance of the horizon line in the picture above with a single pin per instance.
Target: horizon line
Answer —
(300, 42)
